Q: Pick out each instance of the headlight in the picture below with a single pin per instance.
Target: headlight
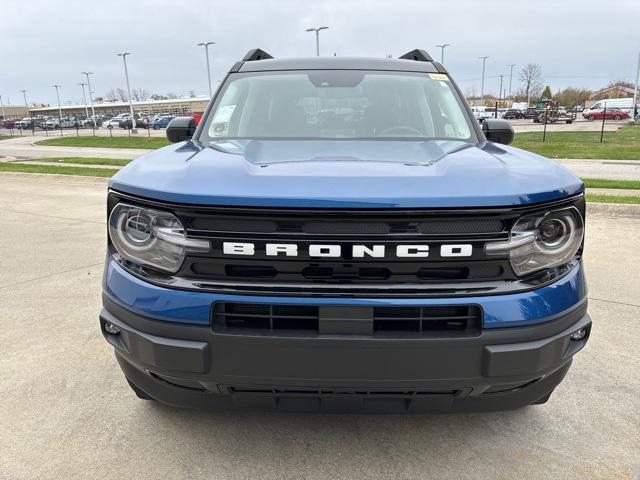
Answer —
(151, 237)
(542, 241)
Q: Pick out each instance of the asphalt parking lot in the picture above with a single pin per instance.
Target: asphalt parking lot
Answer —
(68, 413)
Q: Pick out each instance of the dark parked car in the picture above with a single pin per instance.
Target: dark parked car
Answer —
(141, 122)
(529, 113)
(512, 114)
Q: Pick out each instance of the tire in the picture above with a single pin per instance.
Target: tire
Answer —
(589, 118)
(617, 117)
(139, 392)
(156, 127)
(110, 127)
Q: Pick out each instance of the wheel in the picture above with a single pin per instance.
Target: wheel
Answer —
(543, 400)
(569, 122)
(110, 127)
(139, 393)
(589, 117)
(156, 127)
(616, 117)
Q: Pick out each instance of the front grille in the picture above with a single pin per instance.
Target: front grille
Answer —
(413, 321)
(303, 228)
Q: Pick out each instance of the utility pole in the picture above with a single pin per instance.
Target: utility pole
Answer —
(57, 87)
(635, 93)
(84, 99)
(317, 30)
(93, 112)
(510, 77)
(206, 52)
(500, 91)
(126, 76)
(442, 47)
(484, 61)
(24, 95)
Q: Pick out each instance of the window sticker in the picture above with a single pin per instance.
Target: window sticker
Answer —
(439, 76)
(223, 115)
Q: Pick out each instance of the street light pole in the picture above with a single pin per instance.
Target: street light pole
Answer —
(126, 76)
(500, 91)
(510, 77)
(442, 47)
(484, 61)
(93, 112)
(2, 107)
(317, 30)
(57, 87)
(635, 92)
(84, 99)
(206, 52)
(24, 95)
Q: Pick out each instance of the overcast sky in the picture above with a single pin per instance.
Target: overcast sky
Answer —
(583, 43)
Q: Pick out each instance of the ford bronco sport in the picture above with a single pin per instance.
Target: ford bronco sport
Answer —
(340, 234)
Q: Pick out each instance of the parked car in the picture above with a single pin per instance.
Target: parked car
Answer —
(160, 121)
(111, 123)
(512, 114)
(530, 112)
(127, 124)
(409, 261)
(611, 114)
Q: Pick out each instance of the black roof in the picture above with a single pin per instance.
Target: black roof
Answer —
(338, 63)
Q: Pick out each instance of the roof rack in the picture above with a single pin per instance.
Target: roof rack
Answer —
(418, 55)
(256, 54)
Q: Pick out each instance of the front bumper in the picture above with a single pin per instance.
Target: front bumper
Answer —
(195, 366)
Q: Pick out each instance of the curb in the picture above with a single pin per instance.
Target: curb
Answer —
(613, 209)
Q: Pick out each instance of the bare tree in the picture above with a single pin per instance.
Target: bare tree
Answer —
(119, 94)
(171, 95)
(531, 78)
(139, 94)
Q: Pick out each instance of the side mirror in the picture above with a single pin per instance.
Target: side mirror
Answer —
(497, 130)
(180, 129)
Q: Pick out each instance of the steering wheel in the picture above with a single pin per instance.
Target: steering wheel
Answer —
(400, 129)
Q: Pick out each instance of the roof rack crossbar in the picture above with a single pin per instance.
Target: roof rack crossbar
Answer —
(418, 55)
(256, 54)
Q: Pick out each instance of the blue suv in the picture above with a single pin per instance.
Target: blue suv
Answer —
(340, 234)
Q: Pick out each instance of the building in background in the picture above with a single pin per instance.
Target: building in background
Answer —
(174, 106)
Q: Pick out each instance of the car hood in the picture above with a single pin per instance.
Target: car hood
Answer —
(346, 173)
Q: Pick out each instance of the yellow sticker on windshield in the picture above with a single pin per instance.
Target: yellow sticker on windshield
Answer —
(439, 76)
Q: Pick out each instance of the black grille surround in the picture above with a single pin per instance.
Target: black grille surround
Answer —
(391, 276)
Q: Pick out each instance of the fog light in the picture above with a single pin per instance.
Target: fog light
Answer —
(579, 334)
(113, 330)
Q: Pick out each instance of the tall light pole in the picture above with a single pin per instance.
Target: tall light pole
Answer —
(511, 65)
(500, 91)
(93, 112)
(635, 92)
(84, 99)
(206, 53)
(2, 108)
(126, 76)
(317, 30)
(442, 47)
(58, 87)
(24, 95)
(484, 61)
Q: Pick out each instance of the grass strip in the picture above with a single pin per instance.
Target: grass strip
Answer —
(106, 142)
(619, 184)
(613, 199)
(60, 170)
(85, 160)
(623, 144)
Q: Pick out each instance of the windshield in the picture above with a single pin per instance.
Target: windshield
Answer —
(338, 104)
